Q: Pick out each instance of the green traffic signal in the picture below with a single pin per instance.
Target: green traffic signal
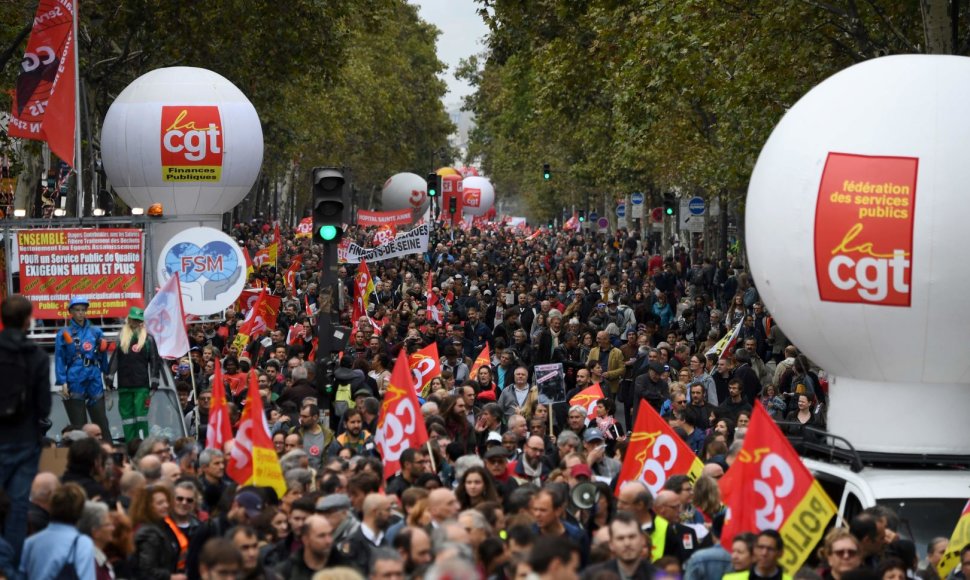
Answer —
(328, 233)
(669, 210)
(546, 171)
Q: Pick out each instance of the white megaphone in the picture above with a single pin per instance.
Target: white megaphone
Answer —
(584, 495)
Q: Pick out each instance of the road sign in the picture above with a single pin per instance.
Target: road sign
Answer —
(636, 198)
(696, 205)
(603, 223)
(657, 214)
(593, 216)
(621, 210)
(636, 205)
(689, 221)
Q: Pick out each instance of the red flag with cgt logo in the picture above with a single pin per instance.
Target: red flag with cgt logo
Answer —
(425, 365)
(400, 425)
(656, 452)
(768, 487)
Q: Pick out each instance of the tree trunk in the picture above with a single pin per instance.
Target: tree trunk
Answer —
(937, 29)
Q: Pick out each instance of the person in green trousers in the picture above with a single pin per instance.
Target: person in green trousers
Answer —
(137, 365)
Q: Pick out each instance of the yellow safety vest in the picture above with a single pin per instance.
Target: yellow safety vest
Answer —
(658, 538)
(744, 574)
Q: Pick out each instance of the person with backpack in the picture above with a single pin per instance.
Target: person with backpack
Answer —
(81, 360)
(25, 404)
(137, 364)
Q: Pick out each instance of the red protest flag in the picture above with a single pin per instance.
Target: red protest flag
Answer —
(363, 288)
(655, 453)
(768, 487)
(290, 275)
(433, 310)
(425, 365)
(219, 430)
(587, 399)
(484, 359)
(45, 99)
(400, 425)
(253, 460)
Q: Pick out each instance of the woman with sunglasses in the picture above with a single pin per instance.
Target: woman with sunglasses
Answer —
(841, 552)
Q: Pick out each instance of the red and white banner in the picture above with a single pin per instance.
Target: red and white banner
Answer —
(656, 452)
(253, 460)
(290, 275)
(401, 217)
(44, 100)
(587, 399)
(104, 265)
(261, 318)
(384, 234)
(165, 320)
(219, 430)
(768, 487)
(425, 365)
(864, 229)
(305, 228)
(400, 425)
(724, 348)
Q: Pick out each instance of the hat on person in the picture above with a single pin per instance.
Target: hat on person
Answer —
(581, 470)
(136, 313)
(78, 300)
(245, 358)
(656, 367)
(495, 452)
(593, 434)
(251, 502)
(333, 502)
(487, 292)
(594, 287)
(493, 437)
(362, 392)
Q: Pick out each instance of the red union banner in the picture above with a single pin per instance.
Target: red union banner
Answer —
(587, 399)
(305, 228)
(401, 217)
(864, 229)
(105, 266)
(424, 365)
(656, 452)
(768, 487)
(400, 425)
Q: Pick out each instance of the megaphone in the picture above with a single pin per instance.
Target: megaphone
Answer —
(584, 495)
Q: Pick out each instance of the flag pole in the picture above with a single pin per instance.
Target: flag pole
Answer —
(78, 165)
(431, 457)
(195, 396)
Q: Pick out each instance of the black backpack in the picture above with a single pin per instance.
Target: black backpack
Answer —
(13, 393)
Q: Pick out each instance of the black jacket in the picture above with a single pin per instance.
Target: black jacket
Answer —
(136, 369)
(156, 552)
(33, 424)
(644, 571)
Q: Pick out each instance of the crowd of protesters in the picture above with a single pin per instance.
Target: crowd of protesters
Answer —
(494, 493)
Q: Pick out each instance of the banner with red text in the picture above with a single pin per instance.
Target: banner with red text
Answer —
(401, 217)
(400, 425)
(655, 453)
(104, 266)
(768, 487)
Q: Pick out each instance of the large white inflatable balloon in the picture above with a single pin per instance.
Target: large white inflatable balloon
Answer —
(405, 191)
(856, 240)
(183, 137)
(479, 195)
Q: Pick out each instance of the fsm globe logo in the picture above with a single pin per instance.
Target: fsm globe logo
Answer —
(210, 266)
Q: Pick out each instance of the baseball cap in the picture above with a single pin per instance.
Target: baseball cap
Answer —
(251, 502)
(593, 434)
(498, 451)
(333, 502)
(581, 470)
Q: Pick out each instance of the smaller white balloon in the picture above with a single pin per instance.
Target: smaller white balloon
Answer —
(479, 195)
(405, 191)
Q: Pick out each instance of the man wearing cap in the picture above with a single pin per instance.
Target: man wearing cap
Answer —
(497, 463)
(603, 466)
(80, 361)
(336, 508)
(650, 387)
(136, 362)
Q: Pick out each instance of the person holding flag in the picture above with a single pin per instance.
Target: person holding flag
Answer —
(136, 364)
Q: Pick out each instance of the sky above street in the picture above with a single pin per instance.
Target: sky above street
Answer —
(462, 34)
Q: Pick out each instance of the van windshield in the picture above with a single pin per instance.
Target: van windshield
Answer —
(923, 519)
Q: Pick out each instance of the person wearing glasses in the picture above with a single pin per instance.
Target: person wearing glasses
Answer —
(768, 550)
(185, 508)
(841, 552)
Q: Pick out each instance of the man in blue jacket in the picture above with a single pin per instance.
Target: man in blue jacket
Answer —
(81, 361)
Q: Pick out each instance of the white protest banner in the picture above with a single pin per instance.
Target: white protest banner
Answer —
(414, 241)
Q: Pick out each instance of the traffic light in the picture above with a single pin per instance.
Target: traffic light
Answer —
(552, 224)
(670, 204)
(582, 215)
(434, 184)
(452, 205)
(546, 171)
(329, 200)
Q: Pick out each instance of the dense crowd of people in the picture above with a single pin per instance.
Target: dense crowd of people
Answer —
(508, 486)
